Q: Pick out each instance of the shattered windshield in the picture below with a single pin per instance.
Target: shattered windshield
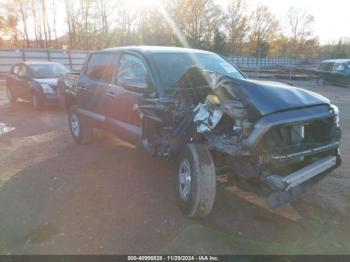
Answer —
(172, 66)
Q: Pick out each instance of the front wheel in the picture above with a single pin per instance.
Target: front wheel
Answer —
(196, 183)
(80, 128)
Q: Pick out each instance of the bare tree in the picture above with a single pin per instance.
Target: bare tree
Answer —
(19, 11)
(53, 5)
(301, 30)
(196, 20)
(264, 28)
(47, 30)
(69, 6)
(24, 8)
(12, 25)
(93, 24)
(301, 23)
(236, 25)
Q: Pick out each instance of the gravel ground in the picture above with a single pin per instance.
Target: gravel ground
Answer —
(109, 198)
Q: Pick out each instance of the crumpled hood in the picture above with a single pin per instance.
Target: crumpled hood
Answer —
(269, 97)
(265, 96)
(48, 81)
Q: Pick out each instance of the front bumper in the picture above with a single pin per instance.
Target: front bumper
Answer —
(290, 187)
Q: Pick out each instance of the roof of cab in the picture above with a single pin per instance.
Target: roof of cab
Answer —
(155, 49)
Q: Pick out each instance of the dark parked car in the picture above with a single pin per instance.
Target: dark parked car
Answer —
(35, 81)
(334, 71)
(195, 107)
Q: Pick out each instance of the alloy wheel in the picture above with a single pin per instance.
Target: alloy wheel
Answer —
(74, 123)
(185, 179)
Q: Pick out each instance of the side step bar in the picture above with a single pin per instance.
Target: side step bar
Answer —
(309, 172)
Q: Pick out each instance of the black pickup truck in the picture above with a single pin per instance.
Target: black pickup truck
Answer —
(195, 107)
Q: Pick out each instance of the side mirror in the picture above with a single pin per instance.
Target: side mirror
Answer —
(136, 85)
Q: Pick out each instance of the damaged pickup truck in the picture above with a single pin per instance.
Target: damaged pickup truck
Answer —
(196, 108)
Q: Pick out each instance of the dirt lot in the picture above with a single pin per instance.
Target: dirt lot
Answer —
(109, 198)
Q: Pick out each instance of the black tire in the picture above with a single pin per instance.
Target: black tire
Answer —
(36, 101)
(201, 196)
(11, 96)
(84, 134)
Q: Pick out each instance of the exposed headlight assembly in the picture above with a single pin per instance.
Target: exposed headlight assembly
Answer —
(206, 117)
(47, 89)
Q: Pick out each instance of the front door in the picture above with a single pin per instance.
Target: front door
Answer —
(123, 96)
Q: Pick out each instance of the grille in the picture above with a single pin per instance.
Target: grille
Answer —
(316, 132)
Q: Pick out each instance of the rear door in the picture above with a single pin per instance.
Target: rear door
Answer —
(94, 79)
(121, 99)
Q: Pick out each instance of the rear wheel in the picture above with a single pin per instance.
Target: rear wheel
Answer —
(11, 96)
(81, 129)
(196, 185)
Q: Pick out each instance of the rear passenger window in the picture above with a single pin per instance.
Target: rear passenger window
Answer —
(101, 67)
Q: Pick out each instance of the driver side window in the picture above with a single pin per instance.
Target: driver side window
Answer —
(131, 68)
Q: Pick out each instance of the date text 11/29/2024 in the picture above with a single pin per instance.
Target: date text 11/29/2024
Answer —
(174, 258)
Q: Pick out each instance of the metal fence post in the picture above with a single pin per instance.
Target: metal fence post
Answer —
(70, 59)
(23, 55)
(290, 69)
(48, 55)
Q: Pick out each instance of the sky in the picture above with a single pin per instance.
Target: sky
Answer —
(331, 22)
